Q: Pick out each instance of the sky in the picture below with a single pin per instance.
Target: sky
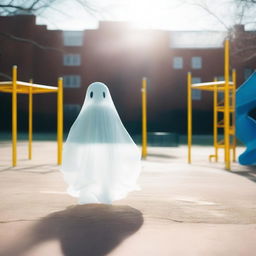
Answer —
(185, 15)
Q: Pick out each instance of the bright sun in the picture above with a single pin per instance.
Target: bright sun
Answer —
(147, 13)
(158, 13)
(152, 14)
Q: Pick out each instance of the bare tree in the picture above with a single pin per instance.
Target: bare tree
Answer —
(37, 8)
(14, 7)
(243, 42)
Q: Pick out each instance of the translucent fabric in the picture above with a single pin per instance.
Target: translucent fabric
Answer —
(101, 163)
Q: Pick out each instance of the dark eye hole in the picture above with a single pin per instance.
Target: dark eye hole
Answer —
(91, 94)
(104, 95)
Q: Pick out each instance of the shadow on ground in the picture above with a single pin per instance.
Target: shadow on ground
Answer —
(161, 155)
(40, 169)
(249, 172)
(93, 229)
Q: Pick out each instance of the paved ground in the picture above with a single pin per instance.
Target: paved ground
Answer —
(197, 209)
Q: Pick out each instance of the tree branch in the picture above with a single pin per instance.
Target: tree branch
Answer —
(24, 40)
(5, 76)
(251, 48)
(93, 10)
(35, 5)
(205, 8)
(15, 7)
(249, 58)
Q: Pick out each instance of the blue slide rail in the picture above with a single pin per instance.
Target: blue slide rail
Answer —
(246, 125)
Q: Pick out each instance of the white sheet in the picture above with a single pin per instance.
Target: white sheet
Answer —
(101, 163)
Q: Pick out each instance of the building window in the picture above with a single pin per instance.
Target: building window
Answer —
(72, 81)
(220, 78)
(196, 94)
(73, 38)
(74, 108)
(247, 73)
(71, 60)
(177, 63)
(71, 112)
(221, 97)
(196, 80)
(196, 62)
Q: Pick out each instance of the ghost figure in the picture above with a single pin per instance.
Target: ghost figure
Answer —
(101, 163)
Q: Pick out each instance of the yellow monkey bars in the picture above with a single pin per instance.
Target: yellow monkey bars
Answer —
(18, 87)
(226, 106)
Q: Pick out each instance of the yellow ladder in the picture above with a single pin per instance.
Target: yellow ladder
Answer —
(219, 125)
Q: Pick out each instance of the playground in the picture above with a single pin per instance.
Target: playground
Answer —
(190, 202)
(181, 209)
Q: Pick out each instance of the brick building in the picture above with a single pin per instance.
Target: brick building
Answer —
(119, 56)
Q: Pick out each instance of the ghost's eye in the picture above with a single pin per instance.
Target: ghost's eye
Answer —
(91, 94)
(104, 94)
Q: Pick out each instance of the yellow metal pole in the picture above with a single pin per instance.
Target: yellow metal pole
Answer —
(60, 120)
(30, 120)
(14, 115)
(189, 106)
(226, 107)
(215, 120)
(234, 113)
(144, 117)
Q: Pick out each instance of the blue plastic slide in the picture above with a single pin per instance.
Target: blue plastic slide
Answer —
(246, 125)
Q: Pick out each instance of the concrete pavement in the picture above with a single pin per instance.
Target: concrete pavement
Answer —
(181, 209)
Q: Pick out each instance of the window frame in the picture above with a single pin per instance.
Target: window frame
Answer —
(176, 64)
(72, 59)
(69, 79)
(195, 64)
(196, 94)
(73, 38)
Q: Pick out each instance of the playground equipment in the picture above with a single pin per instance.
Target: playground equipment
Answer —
(144, 117)
(17, 87)
(246, 125)
(225, 106)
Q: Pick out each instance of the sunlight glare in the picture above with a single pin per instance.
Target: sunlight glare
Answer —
(147, 13)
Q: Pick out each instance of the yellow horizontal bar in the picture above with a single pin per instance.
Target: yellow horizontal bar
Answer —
(221, 109)
(41, 86)
(5, 87)
(209, 88)
(222, 145)
(20, 88)
(10, 90)
(211, 83)
(26, 84)
(205, 88)
(43, 91)
(24, 90)
(5, 82)
(232, 131)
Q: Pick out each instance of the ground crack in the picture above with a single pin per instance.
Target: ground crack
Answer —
(20, 220)
(169, 219)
